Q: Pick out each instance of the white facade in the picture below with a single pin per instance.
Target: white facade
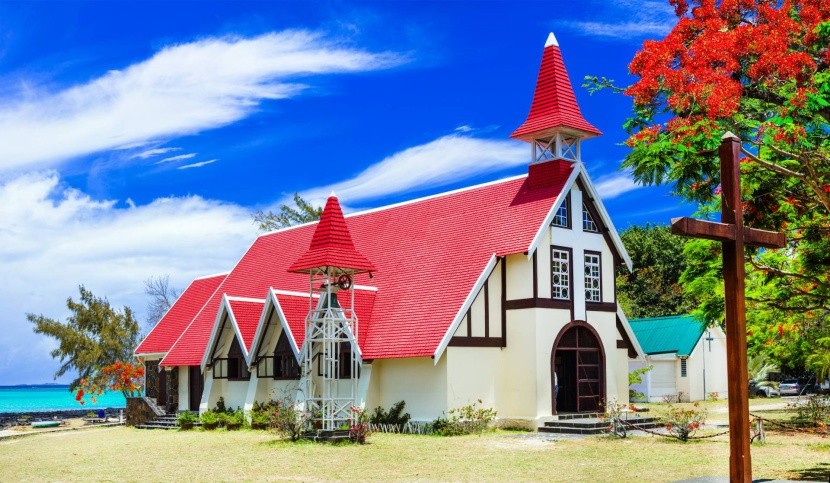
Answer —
(500, 353)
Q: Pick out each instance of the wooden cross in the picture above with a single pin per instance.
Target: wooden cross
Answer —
(734, 236)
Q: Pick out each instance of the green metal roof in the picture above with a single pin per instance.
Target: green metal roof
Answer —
(666, 335)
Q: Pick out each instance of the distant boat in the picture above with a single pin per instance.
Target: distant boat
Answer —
(45, 424)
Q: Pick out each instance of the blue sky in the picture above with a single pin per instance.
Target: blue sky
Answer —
(137, 138)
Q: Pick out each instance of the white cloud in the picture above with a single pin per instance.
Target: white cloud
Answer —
(613, 185)
(154, 152)
(55, 238)
(198, 165)
(182, 89)
(438, 163)
(180, 157)
(625, 20)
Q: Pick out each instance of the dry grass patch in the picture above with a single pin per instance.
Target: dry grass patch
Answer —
(127, 454)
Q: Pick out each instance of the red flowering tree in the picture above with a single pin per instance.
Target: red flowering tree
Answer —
(757, 68)
(97, 343)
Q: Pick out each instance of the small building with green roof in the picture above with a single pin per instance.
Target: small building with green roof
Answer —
(688, 359)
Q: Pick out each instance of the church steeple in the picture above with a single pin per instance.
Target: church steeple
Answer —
(555, 125)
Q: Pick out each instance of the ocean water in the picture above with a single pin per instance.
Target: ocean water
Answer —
(19, 399)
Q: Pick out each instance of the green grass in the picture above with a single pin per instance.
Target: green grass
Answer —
(127, 454)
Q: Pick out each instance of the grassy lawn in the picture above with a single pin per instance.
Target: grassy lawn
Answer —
(127, 454)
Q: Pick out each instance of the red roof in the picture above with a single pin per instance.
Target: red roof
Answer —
(246, 313)
(554, 104)
(429, 253)
(162, 337)
(331, 245)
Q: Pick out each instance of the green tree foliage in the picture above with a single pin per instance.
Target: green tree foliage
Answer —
(302, 212)
(652, 288)
(760, 70)
(93, 337)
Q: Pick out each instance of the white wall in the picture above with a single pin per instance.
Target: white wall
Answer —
(417, 380)
(715, 363)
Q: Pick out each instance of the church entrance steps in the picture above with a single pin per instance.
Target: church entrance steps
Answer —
(592, 424)
(163, 422)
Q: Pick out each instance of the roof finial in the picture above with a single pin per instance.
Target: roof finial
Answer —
(551, 40)
(332, 194)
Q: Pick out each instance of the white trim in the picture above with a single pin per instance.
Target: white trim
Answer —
(606, 218)
(563, 193)
(665, 356)
(292, 293)
(272, 300)
(212, 276)
(244, 299)
(224, 307)
(365, 287)
(628, 330)
(150, 355)
(485, 274)
(407, 202)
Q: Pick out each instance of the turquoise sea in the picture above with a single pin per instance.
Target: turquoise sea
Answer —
(51, 397)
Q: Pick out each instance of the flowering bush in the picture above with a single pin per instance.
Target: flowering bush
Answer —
(359, 430)
(684, 422)
(613, 417)
(465, 420)
(287, 420)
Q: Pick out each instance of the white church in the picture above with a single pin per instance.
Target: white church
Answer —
(491, 292)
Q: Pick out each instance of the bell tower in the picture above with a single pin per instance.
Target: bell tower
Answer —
(330, 357)
(554, 126)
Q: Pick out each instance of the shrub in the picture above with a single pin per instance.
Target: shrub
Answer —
(395, 415)
(220, 405)
(465, 420)
(683, 423)
(234, 420)
(359, 430)
(287, 420)
(210, 419)
(815, 411)
(186, 420)
(613, 417)
(714, 396)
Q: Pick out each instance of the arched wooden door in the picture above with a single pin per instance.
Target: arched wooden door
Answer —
(577, 364)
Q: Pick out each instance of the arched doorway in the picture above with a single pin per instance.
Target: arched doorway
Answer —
(578, 363)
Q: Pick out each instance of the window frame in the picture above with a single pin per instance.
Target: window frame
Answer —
(566, 205)
(598, 255)
(587, 218)
(236, 360)
(568, 273)
(282, 353)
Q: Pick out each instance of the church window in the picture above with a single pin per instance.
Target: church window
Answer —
(285, 363)
(237, 369)
(593, 279)
(561, 218)
(560, 274)
(588, 223)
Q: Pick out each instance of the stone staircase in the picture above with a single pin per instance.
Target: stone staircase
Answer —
(168, 421)
(592, 423)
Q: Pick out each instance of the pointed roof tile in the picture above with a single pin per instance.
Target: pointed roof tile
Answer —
(554, 104)
(331, 245)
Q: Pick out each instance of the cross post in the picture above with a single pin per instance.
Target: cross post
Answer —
(733, 236)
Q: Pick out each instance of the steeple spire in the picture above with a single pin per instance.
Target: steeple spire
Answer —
(555, 123)
(332, 245)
